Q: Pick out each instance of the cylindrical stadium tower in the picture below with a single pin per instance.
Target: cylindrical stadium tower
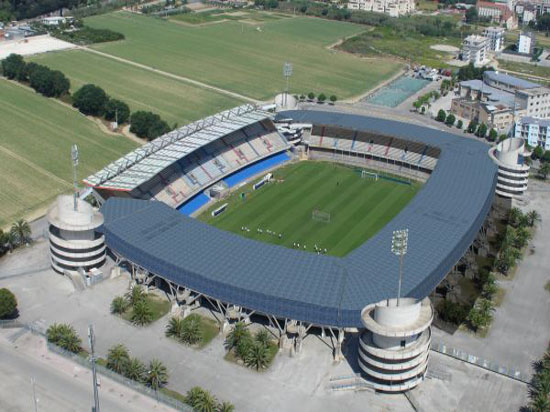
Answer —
(513, 173)
(393, 350)
(74, 239)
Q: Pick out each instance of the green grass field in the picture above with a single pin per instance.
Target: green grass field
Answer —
(35, 143)
(358, 207)
(175, 101)
(214, 16)
(238, 57)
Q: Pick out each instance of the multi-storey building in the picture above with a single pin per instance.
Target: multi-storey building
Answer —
(394, 8)
(535, 131)
(496, 38)
(474, 49)
(526, 42)
(498, 13)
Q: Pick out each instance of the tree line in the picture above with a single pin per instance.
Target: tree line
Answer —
(26, 9)
(90, 99)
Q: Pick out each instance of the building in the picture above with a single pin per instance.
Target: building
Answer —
(499, 99)
(497, 13)
(526, 42)
(394, 348)
(75, 242)
(56, 20)
(496, 38)
(513, 173)
(526, 12)
(394, 8)
(536, 132)
(474, 49)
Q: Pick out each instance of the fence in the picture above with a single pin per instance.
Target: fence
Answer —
(85, 362)
(482, 363)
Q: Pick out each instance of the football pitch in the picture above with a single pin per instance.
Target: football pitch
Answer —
(247, 58)
(175, 101)
(35, 146)
(357, 207)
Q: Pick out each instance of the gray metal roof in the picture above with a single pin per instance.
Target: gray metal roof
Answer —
(510, 80)
(443, 219)
(146, 161)
(533, 120)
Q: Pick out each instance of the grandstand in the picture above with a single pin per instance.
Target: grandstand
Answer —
(177, 166)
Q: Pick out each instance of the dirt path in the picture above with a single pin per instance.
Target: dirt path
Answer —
(174, 76)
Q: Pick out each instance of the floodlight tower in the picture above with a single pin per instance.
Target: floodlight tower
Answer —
(74, 158)
(287, 72)
(91, 341)
(399, 243)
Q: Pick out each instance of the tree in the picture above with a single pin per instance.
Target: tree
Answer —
(116, 110)
(523, 236)
(13, 67)
(20, 232)
(441, 116)
(481, 130)
(533, 217)
(135, 370)
(256, 356)
(514, 216)
(236, 335)
(537, 153)
(226, 407)
(117, 358)
(311, 95)
(90, 100)
(175, 326)
(545, 157)
(135, 295)
(302, 97)
(142, 314)
(262, 337)
(191, 332)
(450, 120)
(8, 303)
(147, 125)
(64, 336)
(333, 99)
(157, 375)
(459, 124)
(321, 98)
(201, 400)
(544, 170)
(472, 126)
(502, 137)
(61, 84)
(493, 135)
(119, 305)
(471, 15)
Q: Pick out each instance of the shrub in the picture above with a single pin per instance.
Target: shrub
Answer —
(142, 314)
(89, 35)
(450, 120)
(459, 124)
(8, 303)
(117, 358)
(119, 305)
(117, 110)
(492, 135)
(333, 99)
(441, 116)
(481, 130)
(64, 336)
(452, 312)
(537, 153)
(90, 100)
(321, 98)
(311, 95)
(472, 126)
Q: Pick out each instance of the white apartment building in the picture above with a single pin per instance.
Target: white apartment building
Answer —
(526, 42)
(496, 38)
(474, 49)
(535, 102)
(394, 8)
(535, 131)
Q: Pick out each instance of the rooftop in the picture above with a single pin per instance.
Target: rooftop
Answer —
(509, 80)
(534, 120)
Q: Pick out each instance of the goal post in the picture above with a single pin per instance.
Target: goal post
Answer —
(320, 215)
(365, 174)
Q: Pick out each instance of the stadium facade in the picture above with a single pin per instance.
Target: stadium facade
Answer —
(295, 290)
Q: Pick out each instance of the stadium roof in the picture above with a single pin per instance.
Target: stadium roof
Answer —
(143, 163)
(443, 219)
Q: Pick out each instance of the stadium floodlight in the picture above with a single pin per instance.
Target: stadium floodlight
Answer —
(287, 72)
(74, 158)
(399, 244)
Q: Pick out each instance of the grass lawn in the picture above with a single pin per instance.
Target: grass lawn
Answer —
(175, 101)
(238, 57)
(35, 146)
(358, 207)
(209, 330)
(211, 16)
(427, 5)
(385, 41)
(159, 306)
(527, 68)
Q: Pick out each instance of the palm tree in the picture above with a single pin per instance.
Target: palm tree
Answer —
(135, 370)
(117, 358)
(119, 305)
(226, 407)
(64, 336)
(135, 295)
(175, 327)
(201, 400)
(522, 238)
(21, 232)
(544, 170)
(239, 330)
(157, 375)
(262, 337)
(514, 216)
(533, 217)
(191, 333)
(257, 357)
(142, 313)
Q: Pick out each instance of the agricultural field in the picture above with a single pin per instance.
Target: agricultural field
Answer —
(35, 148)
(357, 207)
(248, 58)
(174, 100)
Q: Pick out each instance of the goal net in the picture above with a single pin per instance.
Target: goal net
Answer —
(365, 174)
(320, 216)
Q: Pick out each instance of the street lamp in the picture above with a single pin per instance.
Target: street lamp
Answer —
(91, 341)
(399, 243)
(74, 158)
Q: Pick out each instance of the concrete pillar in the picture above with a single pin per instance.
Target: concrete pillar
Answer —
(338, 347)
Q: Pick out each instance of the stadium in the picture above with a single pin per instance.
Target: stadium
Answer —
(150, 192)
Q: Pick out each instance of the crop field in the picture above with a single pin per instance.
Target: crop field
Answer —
(35, 145)
(175, 101)
(358, 207)
(248, 58)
